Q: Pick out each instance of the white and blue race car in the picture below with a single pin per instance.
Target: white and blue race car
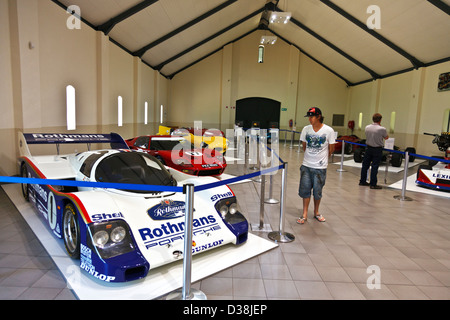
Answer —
(120, 233)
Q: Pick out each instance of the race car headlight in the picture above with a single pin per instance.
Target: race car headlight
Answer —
(229, 210)
(223, 210)
(101, 238)
(233, 208)
(111, 238)
(118, 234)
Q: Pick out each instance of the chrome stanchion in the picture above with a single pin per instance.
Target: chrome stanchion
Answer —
(281, 236)
(271, 200)
(292, 140)
(262, 226)
(341, 169)
(186, 293)
(300, 147)
(388, 160)
(402, 197)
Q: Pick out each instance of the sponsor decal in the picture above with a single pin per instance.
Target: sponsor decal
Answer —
(221, 196)
(106, 216)
(67, 136)
(167, 209)
(91, 270)
(86, 264)
(168, 233)
(40, 191)
(207, 246)
(441, 176)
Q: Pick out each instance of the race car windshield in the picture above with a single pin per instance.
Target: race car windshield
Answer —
(133, 168)
(170, 144)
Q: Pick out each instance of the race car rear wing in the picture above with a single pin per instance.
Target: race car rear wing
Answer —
(25, 139)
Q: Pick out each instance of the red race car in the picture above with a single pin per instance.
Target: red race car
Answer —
(180, 154)
(349, 148)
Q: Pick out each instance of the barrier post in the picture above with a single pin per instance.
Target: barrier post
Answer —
(341, 169)
(186, 293)
(292, 140)
(281, 236)
(262, 226)
(300, 146)
(402, 197)
(271, 200)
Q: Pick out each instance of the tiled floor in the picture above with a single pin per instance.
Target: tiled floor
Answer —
(407, 243)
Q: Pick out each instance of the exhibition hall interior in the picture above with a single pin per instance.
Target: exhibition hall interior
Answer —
(158, 150)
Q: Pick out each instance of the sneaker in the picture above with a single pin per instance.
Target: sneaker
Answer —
(376, 187)
(364, 184)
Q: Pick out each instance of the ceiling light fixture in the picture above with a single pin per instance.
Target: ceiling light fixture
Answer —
(280, 17)
(268, 39)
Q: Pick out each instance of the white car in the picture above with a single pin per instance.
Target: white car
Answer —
(120, 233)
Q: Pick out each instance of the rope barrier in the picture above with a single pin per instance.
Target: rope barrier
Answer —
(401, 152)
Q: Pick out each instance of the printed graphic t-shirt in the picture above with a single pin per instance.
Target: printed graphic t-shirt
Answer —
(316, 153)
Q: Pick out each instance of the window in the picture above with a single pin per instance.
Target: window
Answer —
(142, 142)
(446, 122)
(338, 120)
(120, 111)
(146, 112)
(392, 124)
(360, 121)
(71, 108)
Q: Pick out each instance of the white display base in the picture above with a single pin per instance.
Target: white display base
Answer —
(412, 186)
(159, 281)
(381, 168)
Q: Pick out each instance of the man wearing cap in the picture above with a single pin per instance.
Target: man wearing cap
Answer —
(318, 141)
(375, 136)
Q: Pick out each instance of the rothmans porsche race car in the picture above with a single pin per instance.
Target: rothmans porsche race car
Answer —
(119, 234)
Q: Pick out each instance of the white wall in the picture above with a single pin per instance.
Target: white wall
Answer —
(414, 97)
(209, 90)
(40, 56)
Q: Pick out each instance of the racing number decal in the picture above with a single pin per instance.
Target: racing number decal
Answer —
(51, 210)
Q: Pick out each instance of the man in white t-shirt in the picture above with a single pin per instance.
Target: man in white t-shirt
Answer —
(318, 141)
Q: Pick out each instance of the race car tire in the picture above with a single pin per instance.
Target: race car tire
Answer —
(71, 231)
(358, 155)
(396, 160)
(24, 186)
(348, 148)
(411, 150)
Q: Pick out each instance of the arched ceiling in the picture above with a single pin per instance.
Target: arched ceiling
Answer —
(171, 35)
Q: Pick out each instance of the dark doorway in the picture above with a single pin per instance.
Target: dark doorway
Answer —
(254, 110)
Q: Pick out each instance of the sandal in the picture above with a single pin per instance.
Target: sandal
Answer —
(320, 218)
(301, 220)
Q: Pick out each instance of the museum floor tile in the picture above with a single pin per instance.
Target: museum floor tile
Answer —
(371, 246)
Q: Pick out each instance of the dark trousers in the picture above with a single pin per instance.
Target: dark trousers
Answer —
(371, 157)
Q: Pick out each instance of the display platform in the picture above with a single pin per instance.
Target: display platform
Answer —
(382, 167)
(412, 186)
(158, 283)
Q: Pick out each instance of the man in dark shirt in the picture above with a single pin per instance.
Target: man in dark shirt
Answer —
(375, 136)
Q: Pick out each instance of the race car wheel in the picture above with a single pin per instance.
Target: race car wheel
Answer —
(71, 231)
(411, 150)
(396, 160)
(24, 186)
(348, 148)
(358, 155)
